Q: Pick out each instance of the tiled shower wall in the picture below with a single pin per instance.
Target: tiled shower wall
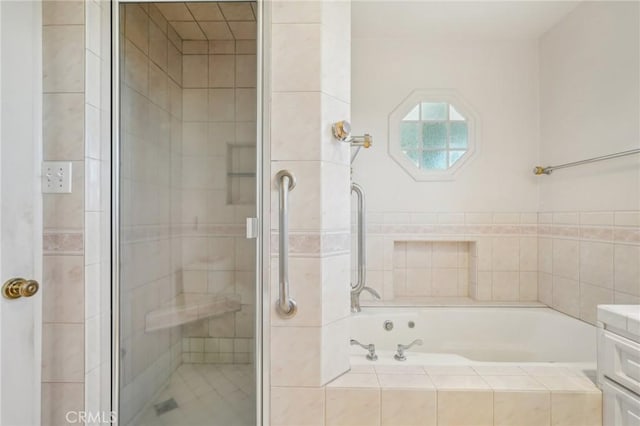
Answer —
(151, 101)
(218, 180)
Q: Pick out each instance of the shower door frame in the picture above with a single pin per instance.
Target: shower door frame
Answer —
(263, 209)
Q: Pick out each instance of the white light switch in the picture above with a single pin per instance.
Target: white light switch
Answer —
(56, 177)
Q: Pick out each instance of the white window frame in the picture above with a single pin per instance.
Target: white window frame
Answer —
(449, 96)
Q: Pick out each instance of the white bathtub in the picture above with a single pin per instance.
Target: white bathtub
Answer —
(475, 335)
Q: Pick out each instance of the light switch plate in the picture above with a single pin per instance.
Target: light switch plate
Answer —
(56, 177)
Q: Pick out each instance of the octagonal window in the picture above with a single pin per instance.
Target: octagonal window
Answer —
(431, 136)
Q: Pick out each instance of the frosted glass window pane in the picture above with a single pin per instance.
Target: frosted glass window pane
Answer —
(410, 135)
(455, 156)
(434, 160)
(434, 111)
(459, 134)
(414, 156)
(454, 115)
(414, 114)
(434, 135)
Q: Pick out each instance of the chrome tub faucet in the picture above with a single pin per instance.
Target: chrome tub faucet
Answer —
(371, 356)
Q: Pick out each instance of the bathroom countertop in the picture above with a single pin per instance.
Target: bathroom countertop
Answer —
(622, 317)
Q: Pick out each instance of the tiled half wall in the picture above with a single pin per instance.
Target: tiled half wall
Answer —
(571, 261)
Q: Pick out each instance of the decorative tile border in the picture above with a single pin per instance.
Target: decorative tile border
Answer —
(313, 244)
(160, 232)
(457, 230)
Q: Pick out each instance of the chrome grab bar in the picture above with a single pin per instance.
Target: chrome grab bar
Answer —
(362, 255)
(359, 286)
(286, 306)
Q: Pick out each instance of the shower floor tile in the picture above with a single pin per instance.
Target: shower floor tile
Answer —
(206, 395)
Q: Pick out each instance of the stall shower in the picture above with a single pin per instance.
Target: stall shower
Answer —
(187, 183)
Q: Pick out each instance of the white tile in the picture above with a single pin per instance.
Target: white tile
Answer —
(596, 263)
(296, 57)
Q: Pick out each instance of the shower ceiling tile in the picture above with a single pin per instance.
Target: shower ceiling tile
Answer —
(216, 30)
(188, 30)
(175, 11)
(234, 11)
(243, 30)
(206, 11)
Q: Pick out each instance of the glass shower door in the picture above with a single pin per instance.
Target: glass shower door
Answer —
(187, 183)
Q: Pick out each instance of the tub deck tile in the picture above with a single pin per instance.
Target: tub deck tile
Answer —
(568, 383)
(454, 395)
(399, 369)
(460, 383)
(498, 370)
(355, 380)
(449, 370)
(514, 383)
(405, 381)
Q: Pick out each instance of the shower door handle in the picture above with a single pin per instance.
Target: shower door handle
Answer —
(285, 306)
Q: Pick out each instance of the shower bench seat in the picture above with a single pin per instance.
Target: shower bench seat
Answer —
(189, 307)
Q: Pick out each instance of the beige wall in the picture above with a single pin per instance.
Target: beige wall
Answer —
(498, 79)
(589, 245)
(492, 201)
(590, 106)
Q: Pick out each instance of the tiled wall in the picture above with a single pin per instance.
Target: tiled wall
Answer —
(499, 248)
(151, 100)
(97, 118)
(588, 258)
(76, 114)
(64, 254)
(218, 181)
(431, 268)
(309, 89)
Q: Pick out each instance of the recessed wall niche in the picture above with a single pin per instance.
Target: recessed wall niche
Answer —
(432, 268)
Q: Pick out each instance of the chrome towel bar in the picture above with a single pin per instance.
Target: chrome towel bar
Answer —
(539, 170)
(286, 306)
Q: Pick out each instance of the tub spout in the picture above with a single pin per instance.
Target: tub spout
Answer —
(355, 297)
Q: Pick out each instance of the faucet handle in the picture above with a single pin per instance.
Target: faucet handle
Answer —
(400, 356)
(373, 292)
(418, 342)
(371, 356)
